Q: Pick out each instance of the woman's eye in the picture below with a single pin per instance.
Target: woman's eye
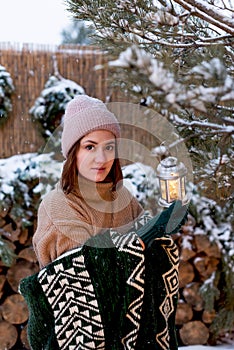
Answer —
(89, 147)
(110, 147)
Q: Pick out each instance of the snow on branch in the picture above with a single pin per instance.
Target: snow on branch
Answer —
(204, 124)
(195, 96)
(210, 13)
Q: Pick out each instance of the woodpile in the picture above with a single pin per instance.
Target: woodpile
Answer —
(13, 309)
(198, 259)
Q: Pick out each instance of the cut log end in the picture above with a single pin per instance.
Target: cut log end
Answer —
(194, 333)
(8, 335)
(14, 309)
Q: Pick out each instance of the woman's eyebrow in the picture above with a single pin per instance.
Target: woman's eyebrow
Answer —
(89, 141)
(94, 142)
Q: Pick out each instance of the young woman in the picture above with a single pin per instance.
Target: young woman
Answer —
(90, 196)
(109, 274)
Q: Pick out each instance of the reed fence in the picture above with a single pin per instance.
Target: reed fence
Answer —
(30, 66)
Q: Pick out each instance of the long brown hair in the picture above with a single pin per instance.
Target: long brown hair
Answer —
(69, 178)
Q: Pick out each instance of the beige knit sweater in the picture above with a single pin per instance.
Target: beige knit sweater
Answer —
(67, 221)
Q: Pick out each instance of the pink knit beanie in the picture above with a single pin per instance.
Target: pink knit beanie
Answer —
(84, 114)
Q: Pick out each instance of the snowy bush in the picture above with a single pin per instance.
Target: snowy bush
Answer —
(143, 184)
(6, 90)
(25, 175)
(20, 194)
(49, 107)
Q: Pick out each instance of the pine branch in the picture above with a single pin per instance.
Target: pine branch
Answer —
(208, 14)
(224, 129)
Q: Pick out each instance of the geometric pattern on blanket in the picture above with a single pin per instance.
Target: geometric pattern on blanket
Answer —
(130, 244)
(70, 292)
(71, 295)
(170, 279)
(73, 288)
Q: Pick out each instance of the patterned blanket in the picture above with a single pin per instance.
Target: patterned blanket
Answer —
(112, 296)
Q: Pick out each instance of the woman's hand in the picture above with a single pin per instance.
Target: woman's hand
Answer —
(169, 221)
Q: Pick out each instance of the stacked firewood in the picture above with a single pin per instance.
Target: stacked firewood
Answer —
(13, 309)
(198, 259)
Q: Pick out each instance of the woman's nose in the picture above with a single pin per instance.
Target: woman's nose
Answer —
(100, 156)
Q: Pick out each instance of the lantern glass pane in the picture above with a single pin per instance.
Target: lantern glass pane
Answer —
(174, 189)
(163, 189)
(183, 191)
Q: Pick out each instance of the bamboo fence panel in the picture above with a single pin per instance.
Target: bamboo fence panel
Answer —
(30, 67)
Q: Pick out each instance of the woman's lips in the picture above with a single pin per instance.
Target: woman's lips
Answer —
(99, 169)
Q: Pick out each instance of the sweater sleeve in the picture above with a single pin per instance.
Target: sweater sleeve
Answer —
(54, 237)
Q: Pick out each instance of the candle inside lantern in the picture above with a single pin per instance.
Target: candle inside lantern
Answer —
(174, 190)
(171, 180)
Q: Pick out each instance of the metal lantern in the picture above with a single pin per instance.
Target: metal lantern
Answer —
(172, 181)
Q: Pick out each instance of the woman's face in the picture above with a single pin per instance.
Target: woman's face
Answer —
(96, 155)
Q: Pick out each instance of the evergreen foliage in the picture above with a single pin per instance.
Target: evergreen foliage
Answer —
(49, 107)
(177, 58)
(6, 90)
(7, 255)
(78, 32)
